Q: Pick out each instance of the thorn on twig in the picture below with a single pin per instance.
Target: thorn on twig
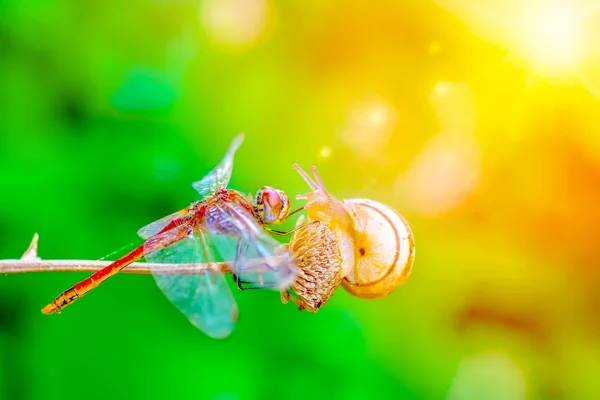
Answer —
(31, 252)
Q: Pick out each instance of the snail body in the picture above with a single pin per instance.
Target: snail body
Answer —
(363, 245)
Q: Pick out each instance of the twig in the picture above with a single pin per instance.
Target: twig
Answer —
(30, 262)
(24, 266)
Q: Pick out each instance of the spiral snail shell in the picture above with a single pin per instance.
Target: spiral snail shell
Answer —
(363, 245)
(385, 249)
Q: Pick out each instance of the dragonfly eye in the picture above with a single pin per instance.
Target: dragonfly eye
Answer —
(273, 205)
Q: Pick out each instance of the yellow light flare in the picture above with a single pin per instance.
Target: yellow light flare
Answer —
(234, 23)
(433, 48)
(325, 152)
(551, 37)
(491, 371)
(369, 127)
(448, 168)
(442, 175)
(589, 60)
(546, 34)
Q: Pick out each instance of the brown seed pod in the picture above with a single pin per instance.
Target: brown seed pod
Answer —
(314, 247)
(367, 243)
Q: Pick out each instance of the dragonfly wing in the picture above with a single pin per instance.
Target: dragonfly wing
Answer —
(259, 259)
(153, 228)
(204, 298)
(218, 178)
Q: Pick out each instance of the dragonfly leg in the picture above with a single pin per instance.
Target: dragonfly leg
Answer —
(239, 282)
(242, 284)
(299, 224)
(248, 285)
(242, 246)
(281, 233)
(253, 285)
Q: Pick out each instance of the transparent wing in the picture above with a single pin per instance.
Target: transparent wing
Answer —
(153, 228)
(260, 260)
(204, 298)
(218, 178)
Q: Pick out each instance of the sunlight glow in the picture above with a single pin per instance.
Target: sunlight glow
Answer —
(325, 152)
(369, 127)
(552, 37)
(234, 23)
(488, 375)
(448, 168)
(546, 34)
(589, 60)
(433, 48)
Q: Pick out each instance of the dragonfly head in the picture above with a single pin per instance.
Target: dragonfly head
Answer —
(272, 205)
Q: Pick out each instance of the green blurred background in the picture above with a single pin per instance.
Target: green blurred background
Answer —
(478, 121)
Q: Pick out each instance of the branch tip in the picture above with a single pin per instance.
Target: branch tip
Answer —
(31, 252)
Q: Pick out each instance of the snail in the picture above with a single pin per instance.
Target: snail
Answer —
(365, 246)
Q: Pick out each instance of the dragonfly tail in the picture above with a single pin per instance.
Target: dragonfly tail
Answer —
(79, 290)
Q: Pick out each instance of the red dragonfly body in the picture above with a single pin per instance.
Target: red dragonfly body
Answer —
(226, 225)
(200, 215)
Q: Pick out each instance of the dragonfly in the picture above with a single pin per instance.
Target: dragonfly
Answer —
(224, 225)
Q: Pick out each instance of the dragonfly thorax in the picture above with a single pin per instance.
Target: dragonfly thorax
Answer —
(223, 211)
(218, 223)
